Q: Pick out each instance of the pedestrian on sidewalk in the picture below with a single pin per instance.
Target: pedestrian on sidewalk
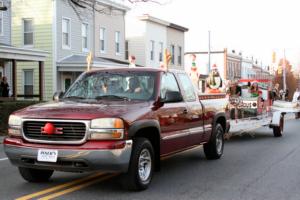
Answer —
(4, 87)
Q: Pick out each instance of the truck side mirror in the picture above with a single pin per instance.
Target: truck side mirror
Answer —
(57, 95)
(172, 97)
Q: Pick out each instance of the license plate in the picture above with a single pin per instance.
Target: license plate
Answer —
(47, 155)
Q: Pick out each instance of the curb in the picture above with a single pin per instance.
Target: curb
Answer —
(1, 139)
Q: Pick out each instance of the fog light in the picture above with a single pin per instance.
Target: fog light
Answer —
(110, 134)
(14, 132)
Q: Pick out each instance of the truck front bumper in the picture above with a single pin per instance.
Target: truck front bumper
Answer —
(72, 159)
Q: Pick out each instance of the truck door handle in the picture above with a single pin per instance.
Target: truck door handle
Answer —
(185, 111)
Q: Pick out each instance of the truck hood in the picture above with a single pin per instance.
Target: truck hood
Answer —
(128, 110)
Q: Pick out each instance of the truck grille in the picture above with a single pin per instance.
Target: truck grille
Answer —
(71, 131)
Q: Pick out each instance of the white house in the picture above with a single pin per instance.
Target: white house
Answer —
(147, 37)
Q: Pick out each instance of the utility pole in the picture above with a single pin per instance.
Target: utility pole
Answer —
(94, 25)
(208, 51)
(284, 71)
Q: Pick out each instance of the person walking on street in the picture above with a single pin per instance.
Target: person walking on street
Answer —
(275, 92)
(4, 87)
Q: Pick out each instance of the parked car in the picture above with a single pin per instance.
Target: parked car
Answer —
(116, 120)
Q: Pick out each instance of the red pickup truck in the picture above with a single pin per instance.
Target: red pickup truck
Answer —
(115, 120)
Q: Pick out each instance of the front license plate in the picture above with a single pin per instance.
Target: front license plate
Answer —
(47, 155)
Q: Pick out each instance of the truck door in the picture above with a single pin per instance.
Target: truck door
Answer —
(172, 116)
(194, 119)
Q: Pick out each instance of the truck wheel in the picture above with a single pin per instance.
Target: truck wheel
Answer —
(141, 165)
(278, 130)
(214, 148)
(35, 175)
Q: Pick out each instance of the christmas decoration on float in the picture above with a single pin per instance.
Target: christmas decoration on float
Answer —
(214, 80)
(131, 60)
(194, 71)
(167, 60)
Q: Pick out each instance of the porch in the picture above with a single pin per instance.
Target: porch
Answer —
(9, 58)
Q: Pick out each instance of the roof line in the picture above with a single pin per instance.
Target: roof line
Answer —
(147, 17)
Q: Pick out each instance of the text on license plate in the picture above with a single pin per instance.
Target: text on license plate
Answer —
(47, 155)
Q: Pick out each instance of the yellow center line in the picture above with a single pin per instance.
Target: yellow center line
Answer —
(77, 187)
(59, 187)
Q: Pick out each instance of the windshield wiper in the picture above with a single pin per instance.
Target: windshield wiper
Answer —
(74, 97)
(111, 97)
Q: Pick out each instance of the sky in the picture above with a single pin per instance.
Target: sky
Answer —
(253, 27)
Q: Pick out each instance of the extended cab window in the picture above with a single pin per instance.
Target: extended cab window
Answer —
(168, 83)
(113, 85)
(188, 88)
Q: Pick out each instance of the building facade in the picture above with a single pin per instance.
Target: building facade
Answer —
(247, 68)
(5, 37)
(148, 37)
(233, 65)
(5, 23)
(68, 33)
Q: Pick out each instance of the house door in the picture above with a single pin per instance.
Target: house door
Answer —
(67, 80)
(1, 71)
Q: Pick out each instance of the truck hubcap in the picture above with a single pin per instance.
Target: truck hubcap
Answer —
(219, 142)
(145, 164)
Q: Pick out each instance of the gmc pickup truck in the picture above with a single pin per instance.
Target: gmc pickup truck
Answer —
(116, 120)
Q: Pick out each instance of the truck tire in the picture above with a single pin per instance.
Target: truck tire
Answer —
(141, 165)
(278, 130)
(214, 148)
(35, 175)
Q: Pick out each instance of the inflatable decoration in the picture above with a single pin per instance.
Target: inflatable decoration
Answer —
(214, 80)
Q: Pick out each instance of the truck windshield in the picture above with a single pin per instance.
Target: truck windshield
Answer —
(113, 86)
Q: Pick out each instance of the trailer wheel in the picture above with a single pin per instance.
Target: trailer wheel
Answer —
(278, 130)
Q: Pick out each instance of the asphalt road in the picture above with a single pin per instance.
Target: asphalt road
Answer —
(253, 167)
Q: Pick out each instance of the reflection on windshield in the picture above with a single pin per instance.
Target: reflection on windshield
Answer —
(116, 86)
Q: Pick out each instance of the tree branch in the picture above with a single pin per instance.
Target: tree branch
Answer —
(77, 3)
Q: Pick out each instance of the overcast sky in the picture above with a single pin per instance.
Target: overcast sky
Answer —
(254, 27)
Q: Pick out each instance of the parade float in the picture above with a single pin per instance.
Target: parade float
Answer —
(249, 102)
(256, 107)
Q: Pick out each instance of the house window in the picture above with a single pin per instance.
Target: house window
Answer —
(66, 28)
(28, 31)
(172, 54)
(117, 42)
(102, 40)
(1, 19)
(151, 50)
(28, 84)
(161, 50)
(179, 55)
(84, 35)
(126, 50)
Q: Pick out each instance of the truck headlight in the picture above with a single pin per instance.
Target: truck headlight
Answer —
(14, 120)
(106, 129)
(107, 123)
(14, 125)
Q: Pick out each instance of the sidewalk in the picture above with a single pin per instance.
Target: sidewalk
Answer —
(1, 139)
